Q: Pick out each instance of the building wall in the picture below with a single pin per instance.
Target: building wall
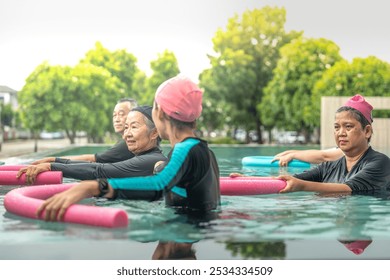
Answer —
(329, 105)
(8, 96)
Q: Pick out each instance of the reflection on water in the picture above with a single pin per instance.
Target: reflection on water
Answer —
(356, 246)
(258, 250)
(275, 226)
(174, 251)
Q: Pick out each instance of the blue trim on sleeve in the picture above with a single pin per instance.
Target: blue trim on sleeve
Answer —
(179, 191)
(159, 181)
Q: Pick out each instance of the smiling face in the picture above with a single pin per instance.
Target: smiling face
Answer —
(349, 134)
(119, 116)
(138, 136)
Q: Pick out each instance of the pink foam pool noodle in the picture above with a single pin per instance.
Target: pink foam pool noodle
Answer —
(250, 185)
(11, 167)
(25, 202)
(8, 178)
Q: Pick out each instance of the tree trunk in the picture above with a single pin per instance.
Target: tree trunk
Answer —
(258, 129)
(35, 142)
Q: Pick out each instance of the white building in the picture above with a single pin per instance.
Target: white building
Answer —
(8, 96)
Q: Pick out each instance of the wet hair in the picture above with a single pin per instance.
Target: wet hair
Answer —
(132, 101)
(357, 115)
(180, 124)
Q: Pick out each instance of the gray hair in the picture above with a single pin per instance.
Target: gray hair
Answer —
(133, 102)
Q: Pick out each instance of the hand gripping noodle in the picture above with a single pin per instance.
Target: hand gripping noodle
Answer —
(250, 185)
(8, 178)
(25, 202)
(266, 161)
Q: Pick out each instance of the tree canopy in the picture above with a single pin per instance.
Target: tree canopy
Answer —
(119, 63)
(245, 55)
(367, 76)
(260, 77)
(69, 99)
(165, 66)
(288, 96)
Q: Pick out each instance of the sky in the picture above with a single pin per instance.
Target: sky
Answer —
(61, 32)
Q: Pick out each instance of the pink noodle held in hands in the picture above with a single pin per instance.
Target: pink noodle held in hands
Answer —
(8, 178)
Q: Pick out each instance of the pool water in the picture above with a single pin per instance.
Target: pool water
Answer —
(275, 226)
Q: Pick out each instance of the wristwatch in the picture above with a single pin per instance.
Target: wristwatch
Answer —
(103, 187)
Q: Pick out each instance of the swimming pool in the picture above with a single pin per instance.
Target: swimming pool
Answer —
(275, 226)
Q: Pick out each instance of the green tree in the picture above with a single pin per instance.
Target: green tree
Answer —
(69, 99)
(367, 76)
(164, 67)
(287, 101)
(215, 112)
(93, 94)
(245, 55)
(119, 63)
(139, 87)
(38, 98)
(7, 114)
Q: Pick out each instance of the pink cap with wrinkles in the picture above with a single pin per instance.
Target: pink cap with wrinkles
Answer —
(359, 103)
(180, 98)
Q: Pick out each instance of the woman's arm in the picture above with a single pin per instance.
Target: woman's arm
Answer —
(54, 208)
(296, 185)
(312, 156)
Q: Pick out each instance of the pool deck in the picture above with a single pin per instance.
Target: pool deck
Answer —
(17, 148)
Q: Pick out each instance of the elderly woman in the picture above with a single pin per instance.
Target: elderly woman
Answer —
(141, 138)
(190, 178)
(360, 170)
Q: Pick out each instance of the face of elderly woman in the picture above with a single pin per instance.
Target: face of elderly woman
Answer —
(349, 134)
(138, 136)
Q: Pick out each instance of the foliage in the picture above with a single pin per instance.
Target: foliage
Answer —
(7, 114)
(98, 91)
(164, 67)
(245, 55)
(119, 63)
(69, 99)
(39, 96)
(367, 76)
(215, 109)
(287, 101)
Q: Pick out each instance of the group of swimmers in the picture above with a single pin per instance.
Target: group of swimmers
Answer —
(188, 178)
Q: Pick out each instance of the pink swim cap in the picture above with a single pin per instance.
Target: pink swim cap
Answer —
(357, 247)
(359, 103)
(180, 98)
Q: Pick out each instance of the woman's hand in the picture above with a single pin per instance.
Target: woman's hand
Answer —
(292, 184)
(234, 175)
(32, 172)
(54, 208)
(284, 157)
